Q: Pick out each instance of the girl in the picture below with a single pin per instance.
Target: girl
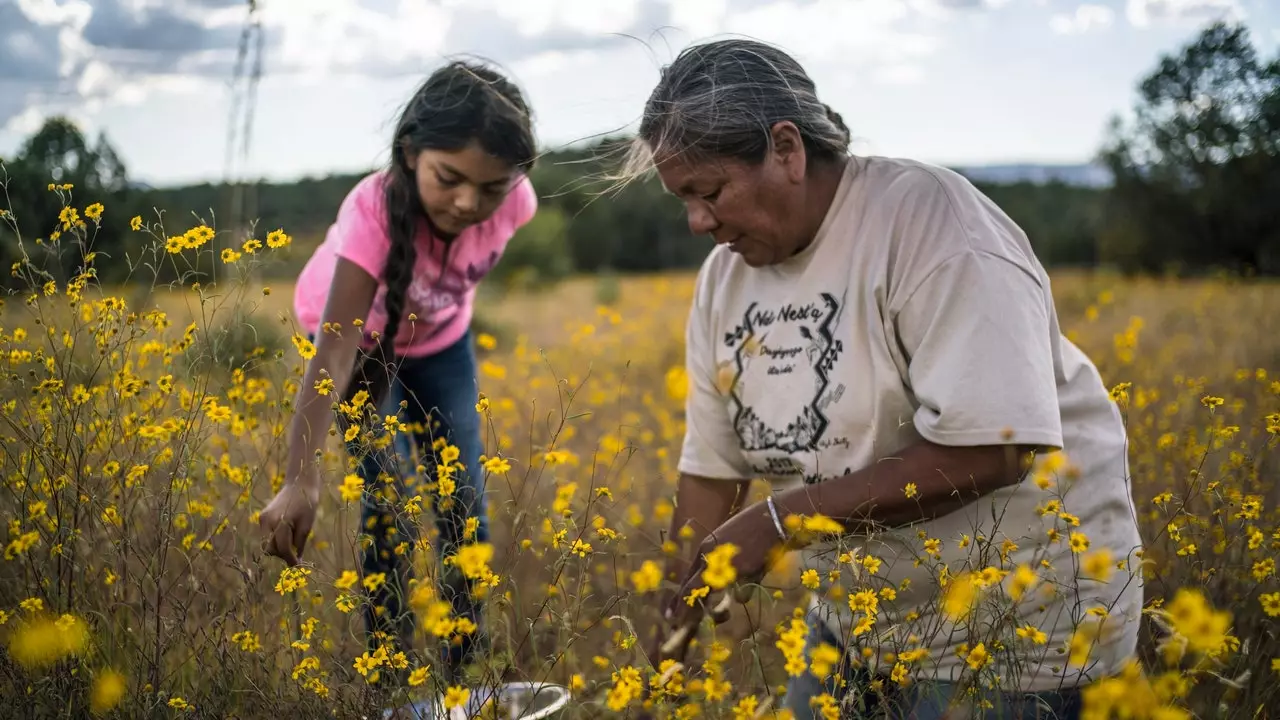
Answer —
(395, 278)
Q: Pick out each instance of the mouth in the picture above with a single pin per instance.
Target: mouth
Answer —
(454, 221)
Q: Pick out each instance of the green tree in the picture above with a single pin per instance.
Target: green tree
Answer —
(538, 253)
(59, 154)
(1198, 169)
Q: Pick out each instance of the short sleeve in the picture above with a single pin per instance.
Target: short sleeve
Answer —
(524, 203)
(980, 354)
(711, 448)
(360, 229)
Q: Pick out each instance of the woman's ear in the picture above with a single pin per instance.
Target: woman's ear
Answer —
(788, 150)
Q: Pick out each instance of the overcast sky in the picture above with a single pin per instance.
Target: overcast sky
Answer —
(948, 81)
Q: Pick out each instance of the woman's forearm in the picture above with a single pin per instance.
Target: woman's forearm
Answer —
(703, 505)
(945, 478)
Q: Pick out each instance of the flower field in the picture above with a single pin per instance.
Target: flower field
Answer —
(142, 429)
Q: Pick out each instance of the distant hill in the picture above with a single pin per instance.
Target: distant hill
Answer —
(1083, 175)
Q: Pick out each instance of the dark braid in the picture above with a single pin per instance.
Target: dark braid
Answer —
(376, 369)
(458, 103)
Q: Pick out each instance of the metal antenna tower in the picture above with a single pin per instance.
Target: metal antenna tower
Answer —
(244, 99)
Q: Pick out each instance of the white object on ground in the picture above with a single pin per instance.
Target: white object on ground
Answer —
(523, 700)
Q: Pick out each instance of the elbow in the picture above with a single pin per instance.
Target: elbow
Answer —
(1003, 466)
(988, 467)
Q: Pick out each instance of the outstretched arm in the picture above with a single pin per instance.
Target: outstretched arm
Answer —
(286, 521)
(350, 298)
(945, 477)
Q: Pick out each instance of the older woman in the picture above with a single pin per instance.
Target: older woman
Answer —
(878, 340)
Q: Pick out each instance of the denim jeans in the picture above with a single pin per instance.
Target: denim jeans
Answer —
(921, 700)
(441, 393)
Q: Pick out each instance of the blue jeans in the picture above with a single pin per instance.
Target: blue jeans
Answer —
(440, 391)
(921, 700)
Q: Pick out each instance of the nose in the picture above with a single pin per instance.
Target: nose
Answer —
(466, 200)
(701, 220)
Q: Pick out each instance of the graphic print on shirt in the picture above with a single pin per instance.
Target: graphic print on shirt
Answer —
(783, 356)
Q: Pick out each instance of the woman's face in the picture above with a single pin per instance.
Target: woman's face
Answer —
(757, 210)
(460, 188)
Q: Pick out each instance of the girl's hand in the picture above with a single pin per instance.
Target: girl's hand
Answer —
(286, 521)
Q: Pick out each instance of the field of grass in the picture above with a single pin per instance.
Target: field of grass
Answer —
(143, 431)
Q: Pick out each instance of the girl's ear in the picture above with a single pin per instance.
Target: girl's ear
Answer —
(410, 157)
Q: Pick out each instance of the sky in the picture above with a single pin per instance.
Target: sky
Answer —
(956, 82)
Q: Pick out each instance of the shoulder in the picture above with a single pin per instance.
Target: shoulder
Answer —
(366, 200)
(520, 205)
(931, 215)
(905, 186)
(371, 187)
(360, 230)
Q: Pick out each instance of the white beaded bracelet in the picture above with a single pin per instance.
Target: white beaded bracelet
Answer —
(773, 512)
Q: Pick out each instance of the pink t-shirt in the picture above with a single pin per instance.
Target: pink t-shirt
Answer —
(443, 305)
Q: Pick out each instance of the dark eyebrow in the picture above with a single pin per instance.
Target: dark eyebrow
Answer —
(463, 176)
(690, 186)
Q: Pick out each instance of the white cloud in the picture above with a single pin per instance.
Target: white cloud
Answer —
(898, 75)
(1142, 13)
(1085, 18)
(97, 79)
(957, 5)
(698, 18)
(166, 107)
(90, 54)
(535, 17)
(49, 12)
(322, 37)
(230, 16)
(870, 33)
(26, 122)
(106, 48)
(70, 18)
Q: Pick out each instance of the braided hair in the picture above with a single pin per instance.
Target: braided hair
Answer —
(461, 102)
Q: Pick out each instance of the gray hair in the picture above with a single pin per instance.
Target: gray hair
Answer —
(721, 99)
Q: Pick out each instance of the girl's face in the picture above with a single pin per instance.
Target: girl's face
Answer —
(460, 188)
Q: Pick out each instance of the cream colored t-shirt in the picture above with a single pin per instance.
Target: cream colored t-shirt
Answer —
(920, 311)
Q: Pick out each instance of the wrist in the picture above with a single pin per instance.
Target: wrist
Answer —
(775, 518)
(302, 472)
(675, 568)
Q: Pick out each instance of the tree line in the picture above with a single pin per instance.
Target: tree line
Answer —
(1195, 178)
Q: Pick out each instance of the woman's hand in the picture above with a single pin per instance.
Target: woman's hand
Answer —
(287, 520)
(755, 539)
(660, 631)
